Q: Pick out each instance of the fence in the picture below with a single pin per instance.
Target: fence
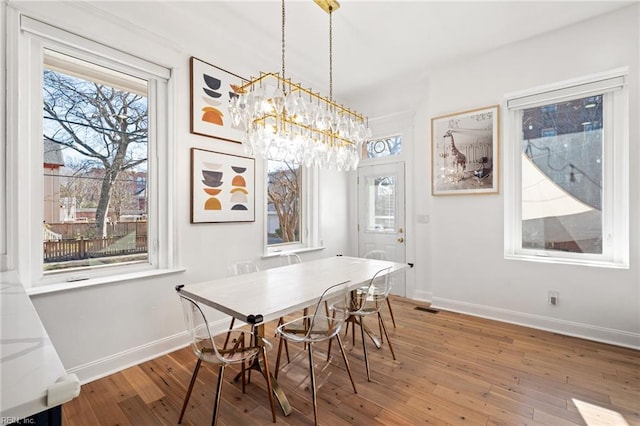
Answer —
(88, 230)
(64, 250)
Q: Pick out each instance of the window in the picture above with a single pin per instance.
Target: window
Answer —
(284, 204)
(383, 147)
(96, 122)
(95, 159)
(568, 198)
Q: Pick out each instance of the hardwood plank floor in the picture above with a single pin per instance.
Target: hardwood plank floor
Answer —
(450, 369)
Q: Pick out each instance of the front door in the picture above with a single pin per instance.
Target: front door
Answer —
(381, 205)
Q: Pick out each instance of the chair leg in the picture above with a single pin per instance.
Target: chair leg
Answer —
(393, 320)
(286, 344)
(346, 361)
(364, 349)
(313, 385)
(226, 341)
(267, 376)
(393, 354)
(216, 403)
(280, 343)
(188, 395)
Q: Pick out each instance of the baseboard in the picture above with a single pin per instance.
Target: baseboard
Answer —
(423, 296)
(569, 328)
(103, 367)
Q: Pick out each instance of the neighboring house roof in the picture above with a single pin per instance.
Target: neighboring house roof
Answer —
(52, 154)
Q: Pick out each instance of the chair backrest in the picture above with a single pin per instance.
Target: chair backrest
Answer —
(241, 267)
(369, 299)
(197, 326)
(376, 254)
(329, 314)
(289, 259)
(202, 340)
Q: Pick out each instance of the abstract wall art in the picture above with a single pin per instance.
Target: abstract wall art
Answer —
(222, 187)
(211, 90)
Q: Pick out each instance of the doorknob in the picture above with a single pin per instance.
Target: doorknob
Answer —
(401, 240)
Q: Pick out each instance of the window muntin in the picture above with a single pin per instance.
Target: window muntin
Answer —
(579, 162)
(284, 203)
(95, 151)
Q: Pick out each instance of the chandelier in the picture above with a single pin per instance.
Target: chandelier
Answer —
(288, 122)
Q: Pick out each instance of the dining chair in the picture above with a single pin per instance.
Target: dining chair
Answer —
(322, 325)
(367, 300)
(240, 267)
(211, 348)
(382, 255)
(286, 258)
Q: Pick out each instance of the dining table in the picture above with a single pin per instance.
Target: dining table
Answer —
(259, 297)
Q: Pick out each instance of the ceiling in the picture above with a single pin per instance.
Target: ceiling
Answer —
(374, 42)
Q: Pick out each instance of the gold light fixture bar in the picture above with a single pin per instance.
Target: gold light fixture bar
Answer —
(328, 5)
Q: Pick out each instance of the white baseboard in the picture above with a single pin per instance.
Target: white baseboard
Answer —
(569, 328)
(103, 367)
(423, 296)
(111, 364)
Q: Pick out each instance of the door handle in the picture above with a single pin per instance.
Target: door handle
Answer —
(401, 240)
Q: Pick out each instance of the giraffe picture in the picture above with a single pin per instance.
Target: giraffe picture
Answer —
(465, 152)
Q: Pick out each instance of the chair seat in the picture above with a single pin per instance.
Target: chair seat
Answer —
(298, 330)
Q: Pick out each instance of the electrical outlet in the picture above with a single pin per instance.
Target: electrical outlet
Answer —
(554, 297)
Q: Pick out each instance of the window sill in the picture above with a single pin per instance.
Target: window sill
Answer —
(55, 288)
(561, 261)
(297, 250)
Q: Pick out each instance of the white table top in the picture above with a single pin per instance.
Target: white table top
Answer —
(276, 292)
(29, 364)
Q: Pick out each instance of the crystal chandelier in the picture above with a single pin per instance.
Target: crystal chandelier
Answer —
(288, 122)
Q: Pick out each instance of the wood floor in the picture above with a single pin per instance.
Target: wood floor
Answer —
(450, 369)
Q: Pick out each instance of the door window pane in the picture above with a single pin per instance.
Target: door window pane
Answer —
(562, 171)
(380, 204)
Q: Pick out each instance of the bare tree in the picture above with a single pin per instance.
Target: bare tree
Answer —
(103, 124)
(76, 184)
(283, 191)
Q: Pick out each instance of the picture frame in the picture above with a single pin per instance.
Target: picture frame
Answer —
(211, 89)
(222, 187)
(465, 152)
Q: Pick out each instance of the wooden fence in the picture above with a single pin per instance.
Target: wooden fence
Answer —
(68, 249)
(88, 230)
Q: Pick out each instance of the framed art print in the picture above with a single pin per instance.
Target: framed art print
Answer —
(464, 152)
(211, 90)
(222, 187)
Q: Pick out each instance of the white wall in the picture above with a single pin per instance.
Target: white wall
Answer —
(458, 254)
(463, 243)
(97, 330)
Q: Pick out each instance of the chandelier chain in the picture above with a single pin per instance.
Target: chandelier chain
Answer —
(330, 53)
(283, 44)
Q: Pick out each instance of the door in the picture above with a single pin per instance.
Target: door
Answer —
(381, 221)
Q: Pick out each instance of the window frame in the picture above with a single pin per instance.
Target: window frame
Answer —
(309, 223)
(615, 163)
(27, 38)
